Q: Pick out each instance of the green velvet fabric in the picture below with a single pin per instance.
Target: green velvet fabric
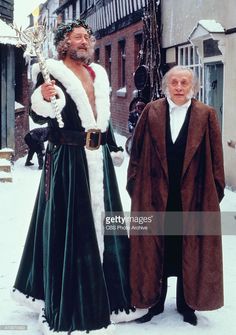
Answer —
(61, 263)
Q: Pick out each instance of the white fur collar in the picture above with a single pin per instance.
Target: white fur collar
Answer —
(75, 89)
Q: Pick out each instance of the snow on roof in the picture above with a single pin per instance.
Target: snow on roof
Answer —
(212, 26)
(7, 34)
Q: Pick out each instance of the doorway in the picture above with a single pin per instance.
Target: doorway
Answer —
(213, 92)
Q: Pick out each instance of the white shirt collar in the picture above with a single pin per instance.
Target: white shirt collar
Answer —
(173, 105)
(177, 117)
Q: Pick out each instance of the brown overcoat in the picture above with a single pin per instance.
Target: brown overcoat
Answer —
(202, 189)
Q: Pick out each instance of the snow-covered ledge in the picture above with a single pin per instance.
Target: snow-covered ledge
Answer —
(6, 153)
(122, 92)
(8, 34)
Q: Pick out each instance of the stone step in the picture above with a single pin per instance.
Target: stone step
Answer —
(5, 170)
(5, 177)
(6, 153)
(5, 165)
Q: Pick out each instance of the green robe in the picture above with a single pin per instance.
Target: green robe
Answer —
(61, 264)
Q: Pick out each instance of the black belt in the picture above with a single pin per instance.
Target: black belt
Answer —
(91, 139)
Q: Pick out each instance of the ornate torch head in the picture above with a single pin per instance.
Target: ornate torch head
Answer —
(32, 38)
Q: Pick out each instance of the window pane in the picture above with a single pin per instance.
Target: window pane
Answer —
(181, 60)
(191, 55)
(186, 56)
(210, 48)
(196, 56)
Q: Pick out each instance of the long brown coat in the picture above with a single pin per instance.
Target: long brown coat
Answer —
(202, 189)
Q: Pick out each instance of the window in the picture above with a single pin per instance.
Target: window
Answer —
(83, 5)
(74, 10)
(86, 4)
(108, 60)
(97, 55)
(70, 12)
(188, 56)
(121, 65)
(210, 48)
(90, 3)
(137, 48)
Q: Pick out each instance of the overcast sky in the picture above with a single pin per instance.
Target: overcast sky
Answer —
(23, 8)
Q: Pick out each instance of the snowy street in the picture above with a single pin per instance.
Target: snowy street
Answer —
(16, 204)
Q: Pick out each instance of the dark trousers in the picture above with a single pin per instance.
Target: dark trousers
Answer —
(34, 147)
(181, 304)
(39, 153)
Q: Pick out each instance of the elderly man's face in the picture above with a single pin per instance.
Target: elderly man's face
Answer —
(180, 86)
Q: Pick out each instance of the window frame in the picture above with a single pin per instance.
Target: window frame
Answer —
(188, 55)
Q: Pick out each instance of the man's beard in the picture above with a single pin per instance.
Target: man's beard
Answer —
(80, 56)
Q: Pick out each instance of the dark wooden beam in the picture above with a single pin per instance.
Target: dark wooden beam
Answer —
(7, 100)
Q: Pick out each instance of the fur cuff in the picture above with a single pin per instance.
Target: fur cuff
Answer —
(27, 301)
(124, 317)
(43, 107)
(117, 158)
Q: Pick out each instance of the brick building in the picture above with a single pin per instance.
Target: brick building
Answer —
(118, 53)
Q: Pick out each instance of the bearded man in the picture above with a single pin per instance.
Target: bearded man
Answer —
(69, 272)
(176, 169)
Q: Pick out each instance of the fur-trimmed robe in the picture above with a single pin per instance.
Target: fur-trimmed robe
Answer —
(201, 190)
(68, 265)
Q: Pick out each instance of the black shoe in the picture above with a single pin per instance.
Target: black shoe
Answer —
(151, 313)
(40, 167)
(189, 317)
(29, 163)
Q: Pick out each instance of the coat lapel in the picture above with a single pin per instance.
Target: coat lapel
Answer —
(159, 133)
(196, 130)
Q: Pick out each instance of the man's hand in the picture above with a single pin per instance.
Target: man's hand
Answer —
(48, 90)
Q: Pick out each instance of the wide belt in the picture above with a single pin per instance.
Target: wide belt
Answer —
(91, 139)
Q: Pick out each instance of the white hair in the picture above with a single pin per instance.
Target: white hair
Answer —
(180, 68)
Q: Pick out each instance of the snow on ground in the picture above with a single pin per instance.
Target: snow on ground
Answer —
(16, 204)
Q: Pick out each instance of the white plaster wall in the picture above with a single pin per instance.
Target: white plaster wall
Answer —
(229, 117)
(180, 17)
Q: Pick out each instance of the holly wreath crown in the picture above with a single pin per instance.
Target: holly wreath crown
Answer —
(65, 28)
